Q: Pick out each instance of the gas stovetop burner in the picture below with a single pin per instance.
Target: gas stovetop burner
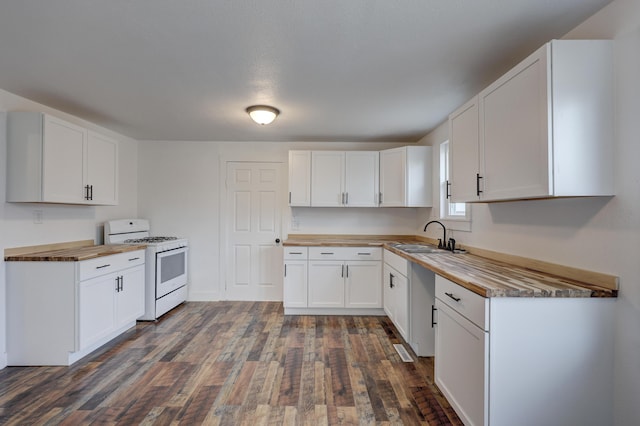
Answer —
(150, 239)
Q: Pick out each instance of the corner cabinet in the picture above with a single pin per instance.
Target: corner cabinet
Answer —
(524, 360)
(59, 312)
(405, 177)
(544, 129)
(50, 160)
(333, 280)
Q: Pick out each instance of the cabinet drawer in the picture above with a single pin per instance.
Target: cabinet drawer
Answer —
(470, 305)
(345, 253)
(107, 264)
(398, 263)
(296, 252)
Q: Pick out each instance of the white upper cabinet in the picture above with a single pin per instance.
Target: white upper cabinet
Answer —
(405, 177)
(102, 169)
(52, 161)
(344, 179)
(327, 178)
(545, 128)
(362, 177)
(464, 132)
(300, 178)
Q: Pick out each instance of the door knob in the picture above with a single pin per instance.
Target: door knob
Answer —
(277, 240)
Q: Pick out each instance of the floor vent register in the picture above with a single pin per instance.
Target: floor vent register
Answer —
(404, 355)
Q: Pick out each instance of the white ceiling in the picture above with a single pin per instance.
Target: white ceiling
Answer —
(339, 70)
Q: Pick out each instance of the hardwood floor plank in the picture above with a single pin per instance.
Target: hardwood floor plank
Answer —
(290, 384)
(241, 384)
(231, 363)
(341, 384)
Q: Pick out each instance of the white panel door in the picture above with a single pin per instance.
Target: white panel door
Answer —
(327, 178)
(295, 284)
(326, 283)
(362, 178)
(363, 284)
(102, 169)
(63, 169)
(393, 168)
(300, 178)
(130, 296)
(253, 224)
(464, 133)
(514, 132)
(97, 317)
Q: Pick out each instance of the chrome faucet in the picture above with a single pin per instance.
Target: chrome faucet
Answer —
(442, 243)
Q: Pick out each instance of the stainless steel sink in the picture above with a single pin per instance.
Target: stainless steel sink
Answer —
(418, 248)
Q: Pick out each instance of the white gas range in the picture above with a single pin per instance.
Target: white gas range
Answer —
(166, 268)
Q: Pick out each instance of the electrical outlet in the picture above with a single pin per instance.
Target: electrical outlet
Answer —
(37, 217)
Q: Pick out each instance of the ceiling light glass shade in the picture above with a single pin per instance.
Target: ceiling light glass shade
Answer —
(262, 114)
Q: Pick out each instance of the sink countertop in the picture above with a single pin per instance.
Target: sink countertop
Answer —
(73, 254)
(484, 276)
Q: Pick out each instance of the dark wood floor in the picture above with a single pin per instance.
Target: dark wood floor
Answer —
(234, 363)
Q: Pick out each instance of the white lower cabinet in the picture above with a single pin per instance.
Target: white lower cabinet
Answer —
(295, 277)
(326, 284)
(58, 312)
(461, 350)
(334, 280)
(524, 361)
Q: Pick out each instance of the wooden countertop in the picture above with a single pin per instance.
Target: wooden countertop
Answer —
(483, 275)
(68, 252)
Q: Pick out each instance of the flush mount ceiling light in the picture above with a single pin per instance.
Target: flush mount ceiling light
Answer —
(262, 114)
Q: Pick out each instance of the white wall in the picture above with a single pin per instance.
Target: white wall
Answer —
(179, 192)
(60, 223)
(599, 234)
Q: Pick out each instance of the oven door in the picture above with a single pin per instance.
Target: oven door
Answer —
(171, 270)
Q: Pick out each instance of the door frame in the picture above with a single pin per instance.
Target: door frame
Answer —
(255, 156)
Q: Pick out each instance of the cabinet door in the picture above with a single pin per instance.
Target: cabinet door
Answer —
(464, 159)
(295, 284)
(300, 178)
(362, 178)
(97, 310)
(401, 289)
(102, 169)
(130, 296)
(461, 362)
(326, 284)
(63, 171)
(388, 295)
(514, 132)
(393, 166)
(327, 178)
(363, 284)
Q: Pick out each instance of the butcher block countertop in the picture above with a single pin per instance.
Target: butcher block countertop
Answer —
(489, 274)
(67, 252)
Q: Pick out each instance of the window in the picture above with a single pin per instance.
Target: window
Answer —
(455, 212)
